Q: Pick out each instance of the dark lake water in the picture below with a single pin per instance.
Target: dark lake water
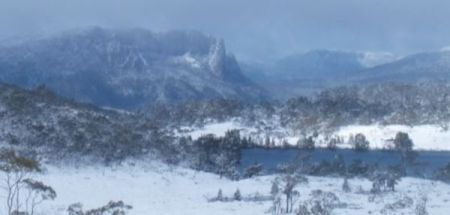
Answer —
(427, 162)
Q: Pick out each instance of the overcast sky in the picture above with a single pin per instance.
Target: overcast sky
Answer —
(253, 29)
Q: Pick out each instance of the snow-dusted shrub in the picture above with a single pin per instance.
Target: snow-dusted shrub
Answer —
(402, 203)
(421, 206)
(328, 199)
(303, 210)
(75, 209)
(112, 208)
(318, 208)
(237, 195)
(319, 203)
(345, 186)
(219, 196)
(275, 189)
(253, 170)
(384, 180)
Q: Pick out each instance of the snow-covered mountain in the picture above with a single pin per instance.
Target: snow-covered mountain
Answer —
(413, 68)
(128, 68)
(314, 71)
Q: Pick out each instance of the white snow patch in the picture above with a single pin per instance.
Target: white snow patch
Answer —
(188, 59)
(218, 129)
(371, 59)
(158, 189)
(425, 137)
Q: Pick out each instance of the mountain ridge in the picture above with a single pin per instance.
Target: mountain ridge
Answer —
(128, 69)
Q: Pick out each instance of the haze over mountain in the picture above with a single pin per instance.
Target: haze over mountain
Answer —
(313, 71)
(128, 68)
(418, 67)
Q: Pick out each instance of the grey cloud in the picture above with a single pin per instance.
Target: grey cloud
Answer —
(255, 29)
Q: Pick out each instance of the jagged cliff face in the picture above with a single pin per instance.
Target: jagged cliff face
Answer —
(128, 68)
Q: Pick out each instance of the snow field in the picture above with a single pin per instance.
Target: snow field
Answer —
(162, 190)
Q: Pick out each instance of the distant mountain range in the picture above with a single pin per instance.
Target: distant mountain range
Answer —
(128, 69)
(135, 68)
(314, 71)
(427, 66)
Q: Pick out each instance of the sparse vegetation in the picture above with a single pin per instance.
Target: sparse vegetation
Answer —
(112, 208)
(23, 194)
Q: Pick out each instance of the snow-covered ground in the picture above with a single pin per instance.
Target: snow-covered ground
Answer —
(154, 188)
(425, 137)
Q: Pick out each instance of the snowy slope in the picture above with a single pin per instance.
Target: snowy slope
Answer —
(158, 189)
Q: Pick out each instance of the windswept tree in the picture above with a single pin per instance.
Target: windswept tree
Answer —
(290, 182)
(16, 169)
(38, 192)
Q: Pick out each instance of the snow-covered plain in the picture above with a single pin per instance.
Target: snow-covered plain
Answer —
(154, 188)
(425, 137)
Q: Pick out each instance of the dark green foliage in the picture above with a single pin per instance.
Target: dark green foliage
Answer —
(359, 142)
(11, 162)
(306, 143)
(219, 154)
(404, 145)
